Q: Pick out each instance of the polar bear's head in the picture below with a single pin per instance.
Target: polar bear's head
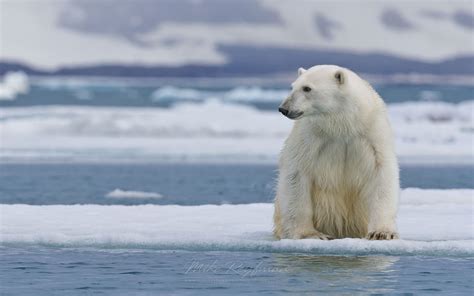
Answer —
(321, 90)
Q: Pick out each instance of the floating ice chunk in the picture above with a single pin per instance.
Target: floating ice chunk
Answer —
(171, 92)
(119, 193)
(238, 94)
(249, 94)
(14, 83)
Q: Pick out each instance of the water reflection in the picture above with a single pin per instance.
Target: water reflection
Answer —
(376, 273)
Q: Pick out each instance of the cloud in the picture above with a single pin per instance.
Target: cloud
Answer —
(433, 14)
(129, 19)
(464, 19)
(326, 26)
(394, 20)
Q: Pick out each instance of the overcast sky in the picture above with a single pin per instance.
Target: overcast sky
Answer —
(52, 33)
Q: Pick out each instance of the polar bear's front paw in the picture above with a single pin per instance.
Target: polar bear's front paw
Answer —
(382, 235)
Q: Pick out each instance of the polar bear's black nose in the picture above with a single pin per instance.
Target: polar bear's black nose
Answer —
(283, 111)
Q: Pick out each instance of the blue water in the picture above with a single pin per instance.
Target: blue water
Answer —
(183, 184)
(139, 93)
(46, 271)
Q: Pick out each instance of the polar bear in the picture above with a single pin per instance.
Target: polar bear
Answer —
(338, 173)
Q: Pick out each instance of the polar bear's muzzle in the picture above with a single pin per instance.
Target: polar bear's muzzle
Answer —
(290, 114)
(288, 107)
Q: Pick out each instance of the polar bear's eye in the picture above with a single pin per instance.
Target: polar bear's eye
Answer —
(306, 88)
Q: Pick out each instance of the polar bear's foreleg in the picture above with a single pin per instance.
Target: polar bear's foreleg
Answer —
(383, 206)
(294, 209)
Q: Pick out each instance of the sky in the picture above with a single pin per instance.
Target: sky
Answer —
(50, 34)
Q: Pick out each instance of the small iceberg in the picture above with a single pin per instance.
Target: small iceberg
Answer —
(13, 84)
(119, 193)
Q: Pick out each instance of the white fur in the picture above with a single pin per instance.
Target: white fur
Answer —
(338, 173)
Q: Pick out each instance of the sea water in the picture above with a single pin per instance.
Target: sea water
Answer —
(177, 183)
(57, 271)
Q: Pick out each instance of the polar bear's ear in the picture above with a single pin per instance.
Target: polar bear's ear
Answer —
(339, 77)
(301, 71)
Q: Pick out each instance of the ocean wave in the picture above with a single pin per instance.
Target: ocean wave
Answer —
(422, 226)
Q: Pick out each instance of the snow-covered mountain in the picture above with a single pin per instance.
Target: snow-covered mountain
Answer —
(232, 37)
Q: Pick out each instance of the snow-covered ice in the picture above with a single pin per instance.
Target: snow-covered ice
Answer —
(431, 222)
(211, 130)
